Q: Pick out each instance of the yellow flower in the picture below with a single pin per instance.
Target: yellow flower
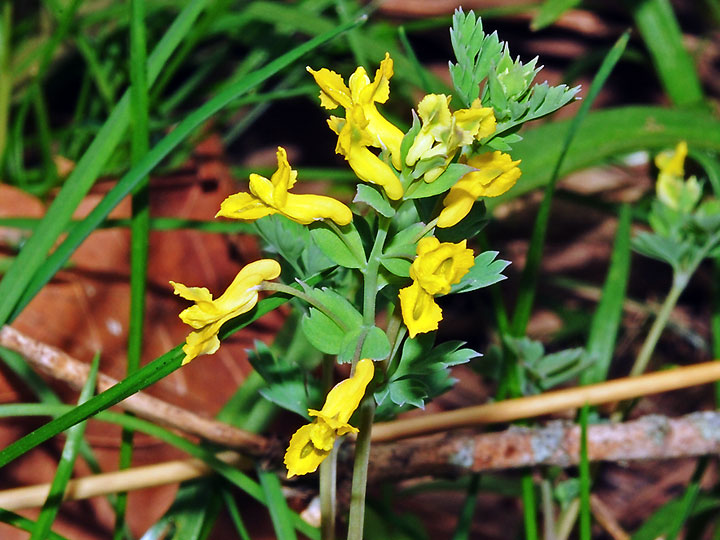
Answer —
(363, 124)
(437, 267)
(672, 189)
(271, 197)
(312, 443)
(208, 315)
(443, 133)
(495, 173)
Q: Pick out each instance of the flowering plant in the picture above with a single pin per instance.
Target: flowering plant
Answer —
(399, 248)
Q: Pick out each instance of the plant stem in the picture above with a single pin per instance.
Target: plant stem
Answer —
(360, 469)
(6, 79)
(328, 494)
(547, 510)
(371, 273)
(350, 246)
(680, 281)
(292, 291)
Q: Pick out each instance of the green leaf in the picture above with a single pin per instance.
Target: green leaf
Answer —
(283, 236)
(661, 248)
(342, 245)
(659, 524)
(375, 345)
(444, 182)
(25, 524)
(475, 53)
(326, 328)
(396, 265)
(551, 11)
(422, 372)
(373, 198)
(485, 272)
(287, 386)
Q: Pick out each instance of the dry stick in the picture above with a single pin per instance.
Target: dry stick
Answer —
(550, 402)
(114, 482)
(62, 366)
(650, 437)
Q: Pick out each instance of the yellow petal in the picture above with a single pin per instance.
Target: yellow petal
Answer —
(370, 168)
(284, 178)
(203, 341)
(672, 162)
(419, 311)
(438, 266)
(495, 174)
(333, 91)
(322, 435)
(308, 208)
(244, 206)
(301, 456)
(345, 396)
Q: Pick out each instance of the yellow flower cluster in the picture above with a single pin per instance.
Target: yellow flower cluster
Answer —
(208, 315)
(312, 443)
(672, 188)
(437, 267)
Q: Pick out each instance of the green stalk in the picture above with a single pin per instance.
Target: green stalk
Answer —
(6, 78)
(360, 470)
(139, 228)
(680, 281)
(328, 494)
(291, 291)
(367, 407)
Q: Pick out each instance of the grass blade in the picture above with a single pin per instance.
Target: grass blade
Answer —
(585, 479)
(528, 280)
(688, 500)
(139, 227)
(551, 11)
(463, 529)
(276, 504)
(232, 508)
(662, 35)
(34, 252)
(25, 524)
(608, 315)
(67, 462)
(128, 182)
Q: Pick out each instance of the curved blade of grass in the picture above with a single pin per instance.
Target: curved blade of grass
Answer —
(608, 315)
(662, 35)
(67, 462)
(234, 512)
(130, 180)
(688, 500)
(277, 505)
(465, 520)
(25, 524)
(528, 280)
(585, 479)
(229, 472)
(86, 171)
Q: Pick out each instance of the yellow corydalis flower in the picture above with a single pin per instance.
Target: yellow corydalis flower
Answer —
(208, 315)
(312, 443)
(672, 189)
(272, 197)
(363, 124)
(437, 267)
(443, 133)
(494, 174)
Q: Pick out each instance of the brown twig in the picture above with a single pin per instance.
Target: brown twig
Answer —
(62, 366)
(451, 454)
(550, 402)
